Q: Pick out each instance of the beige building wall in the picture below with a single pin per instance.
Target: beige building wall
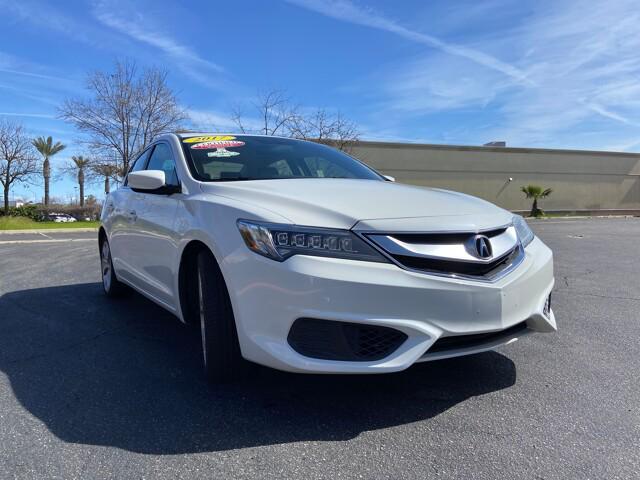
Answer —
(581, 180)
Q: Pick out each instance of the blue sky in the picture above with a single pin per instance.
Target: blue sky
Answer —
(559, 74)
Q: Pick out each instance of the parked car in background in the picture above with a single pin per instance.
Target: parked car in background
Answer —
(61, 217)
(297, 256)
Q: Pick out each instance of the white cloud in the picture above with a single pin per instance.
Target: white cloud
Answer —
(347, 11)
(111, 17)
(437, 83)
(45, 16)
(12, 65)
(140, 29)
(214, 120)
(585, 75)
(571, 80)
(28, 74)
(207, 120)
(32, 93)
(30, 80)
(600, 110)
(27, 115)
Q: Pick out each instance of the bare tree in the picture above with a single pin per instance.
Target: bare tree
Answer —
(125, 110)
(274, 114)
(329, 129)
(106, 171)
(18, 160)
(273, 111)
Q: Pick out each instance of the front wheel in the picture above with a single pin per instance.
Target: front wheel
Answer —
(220, 347)
(111, 285)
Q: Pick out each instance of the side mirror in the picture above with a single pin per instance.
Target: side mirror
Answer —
(151, 181)
(146, 180)
(389, 178)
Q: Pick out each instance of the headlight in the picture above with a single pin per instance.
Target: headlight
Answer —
(524, 232)
(280, 242)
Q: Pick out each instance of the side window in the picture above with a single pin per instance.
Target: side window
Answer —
(139, 163)
(162, 159)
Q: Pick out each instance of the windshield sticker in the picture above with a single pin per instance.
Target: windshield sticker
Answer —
(219, 147)
(222, 152)
(209, 138)
(217, 144)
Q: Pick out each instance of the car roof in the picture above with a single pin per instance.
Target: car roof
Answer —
(183, 134)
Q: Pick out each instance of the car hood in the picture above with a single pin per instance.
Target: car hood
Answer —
(364, 204)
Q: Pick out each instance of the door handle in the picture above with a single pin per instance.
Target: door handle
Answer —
(133, 216)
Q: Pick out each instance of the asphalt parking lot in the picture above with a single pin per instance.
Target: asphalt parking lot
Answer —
(91, 388)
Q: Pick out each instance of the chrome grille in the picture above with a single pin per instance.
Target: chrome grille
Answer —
(486, 255)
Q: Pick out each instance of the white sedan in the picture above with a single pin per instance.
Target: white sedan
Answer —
(297, 256)
(61, 218)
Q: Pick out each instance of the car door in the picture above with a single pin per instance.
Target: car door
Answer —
(118, 207)
(153, 242)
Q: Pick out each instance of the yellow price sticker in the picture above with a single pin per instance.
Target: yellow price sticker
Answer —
(213, 138)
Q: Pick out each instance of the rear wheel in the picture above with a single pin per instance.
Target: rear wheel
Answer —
(220, 347)
(111, 285)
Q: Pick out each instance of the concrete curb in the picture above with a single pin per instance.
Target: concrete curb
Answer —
(602, 212)
(47, 230)
(575, 217)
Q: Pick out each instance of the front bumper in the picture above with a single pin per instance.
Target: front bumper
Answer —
(269, 296)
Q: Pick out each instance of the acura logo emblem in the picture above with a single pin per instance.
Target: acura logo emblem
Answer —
(483, 246)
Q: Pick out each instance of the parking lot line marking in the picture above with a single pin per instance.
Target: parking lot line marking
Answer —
(48, 230)
(53, 240)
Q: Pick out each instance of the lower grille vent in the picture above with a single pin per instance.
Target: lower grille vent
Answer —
(345, 341)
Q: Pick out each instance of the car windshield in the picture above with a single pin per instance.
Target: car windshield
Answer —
(218, 158)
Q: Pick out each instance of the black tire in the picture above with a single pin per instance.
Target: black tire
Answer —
(111, 285)
(220, 348)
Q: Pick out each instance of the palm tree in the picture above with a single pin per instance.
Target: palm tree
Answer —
(536, 192)
(81, 164)
(108, 171)
(47, 149)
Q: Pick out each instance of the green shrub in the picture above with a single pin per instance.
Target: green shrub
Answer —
(536, 192)
(40, 213)
(29, 211)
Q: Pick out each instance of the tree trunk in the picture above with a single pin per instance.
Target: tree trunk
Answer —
(534, 208)
(107, 186)
(46, 173)
(6, 199)
(81, 185)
